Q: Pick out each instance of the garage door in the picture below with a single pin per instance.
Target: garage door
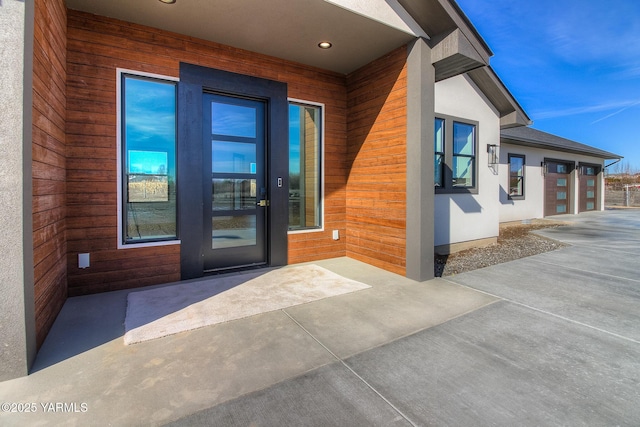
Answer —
(557, 195)
(588, 188)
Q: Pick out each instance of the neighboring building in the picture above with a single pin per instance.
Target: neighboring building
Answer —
(147, 143)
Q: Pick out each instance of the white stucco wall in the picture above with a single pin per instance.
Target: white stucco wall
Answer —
(532, 206)
(467, 217)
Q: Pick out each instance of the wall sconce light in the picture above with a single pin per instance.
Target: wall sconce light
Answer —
(168, 1)
(493, 157)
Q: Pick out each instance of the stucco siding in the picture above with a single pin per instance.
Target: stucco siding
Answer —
(532, 204)
(468, 217)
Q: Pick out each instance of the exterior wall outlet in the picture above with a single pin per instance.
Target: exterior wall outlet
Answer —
(83, 261)
(336, 234)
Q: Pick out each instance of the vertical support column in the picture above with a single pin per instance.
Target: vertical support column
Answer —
(573, 197)
(17, 308)
(601, 185)
(420, 161)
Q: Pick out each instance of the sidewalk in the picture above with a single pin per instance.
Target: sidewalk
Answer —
(85, 361)
(552, 339)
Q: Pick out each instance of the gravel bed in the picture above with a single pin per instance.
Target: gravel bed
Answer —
(514, 242)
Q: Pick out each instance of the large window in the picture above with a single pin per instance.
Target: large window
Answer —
(305, 166)
(455, 144)
(516, 176)
(148, 159)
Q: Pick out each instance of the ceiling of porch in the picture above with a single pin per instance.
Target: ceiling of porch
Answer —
(281, 28)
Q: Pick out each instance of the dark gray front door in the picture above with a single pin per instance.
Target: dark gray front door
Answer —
(235, 185)
(233, 152)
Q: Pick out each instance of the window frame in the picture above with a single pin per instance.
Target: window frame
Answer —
(321, 198)
(120, 74)
(447, 179)
(524, 163)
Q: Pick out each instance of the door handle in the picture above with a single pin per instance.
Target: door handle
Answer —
(263, 203)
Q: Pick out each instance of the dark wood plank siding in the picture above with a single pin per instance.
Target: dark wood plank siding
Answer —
(551, 189)
(49, 162)
(376, 188)
(96, 47)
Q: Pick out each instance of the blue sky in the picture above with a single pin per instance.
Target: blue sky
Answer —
(573, 65)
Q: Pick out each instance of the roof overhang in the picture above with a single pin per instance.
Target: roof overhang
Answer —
(511, 113)
(456, 45)
(359, 31)
(529, 137)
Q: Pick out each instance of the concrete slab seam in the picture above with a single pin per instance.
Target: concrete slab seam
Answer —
(551, 314)
(352, 371)
(575, 244)
(580, 269)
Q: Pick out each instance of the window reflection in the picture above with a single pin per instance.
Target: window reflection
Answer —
(149, 159)
(233, 120)
(233, 231)
(464, 146)
(304, 167)
(439, 153)
(233, 194)
(233, 157)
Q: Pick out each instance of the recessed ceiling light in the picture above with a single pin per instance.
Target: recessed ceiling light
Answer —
(324, 45)
(168, 1)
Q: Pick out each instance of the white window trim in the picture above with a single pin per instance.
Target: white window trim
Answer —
(119, 73)
(322, 132)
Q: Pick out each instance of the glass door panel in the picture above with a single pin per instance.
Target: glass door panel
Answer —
(235, 221)
(233, 231)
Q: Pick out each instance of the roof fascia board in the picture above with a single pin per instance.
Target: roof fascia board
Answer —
(464, 23)
(443, 16)
(452, 54)
(514, 119)
(511, 112)
(595, 153)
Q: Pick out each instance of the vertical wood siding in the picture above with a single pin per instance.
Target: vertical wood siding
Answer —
(96, 47)
(49, 162)
(376, 188)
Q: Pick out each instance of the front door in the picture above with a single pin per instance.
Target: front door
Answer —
(235, 182)
(232, 171)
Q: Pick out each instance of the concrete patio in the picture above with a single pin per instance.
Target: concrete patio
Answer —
(547, 340)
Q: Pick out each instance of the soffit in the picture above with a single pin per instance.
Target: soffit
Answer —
(284, 29)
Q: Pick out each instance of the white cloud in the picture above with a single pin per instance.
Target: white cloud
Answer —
(617, 105)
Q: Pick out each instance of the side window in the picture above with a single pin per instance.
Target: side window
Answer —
(439, 157)
(516, 176)
(305, 166)
(148, 159)
(464, 155)
(455, 148)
